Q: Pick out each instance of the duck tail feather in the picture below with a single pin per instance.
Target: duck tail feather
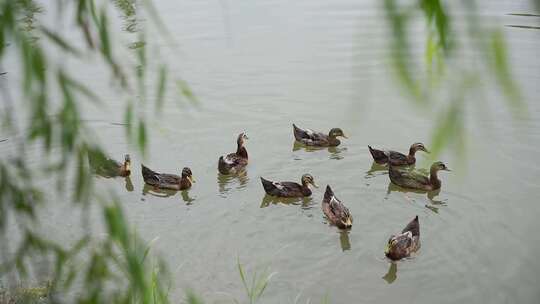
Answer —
(413, 227)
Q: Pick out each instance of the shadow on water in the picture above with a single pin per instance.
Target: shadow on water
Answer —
(391, 274)
(344, 239)
(433, 205)
(304, 202)
(335, 152)
(225, 182)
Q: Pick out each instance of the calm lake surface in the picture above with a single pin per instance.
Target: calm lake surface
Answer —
(259, 66)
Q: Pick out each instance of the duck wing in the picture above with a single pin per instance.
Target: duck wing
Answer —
(397, 158)
(338, 209)
(281, 188)
(232, 159)
(301, 134)
(150, 177)
(308, 136)
(409, 179)
(404, 240)
(333, 207)
(170, 179)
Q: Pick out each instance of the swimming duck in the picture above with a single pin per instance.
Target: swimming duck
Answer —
(289, 189)
(168, 181)
(311, 138)
(335, 211)
(396, 158)
(108, 167)
(414, 180)
(403, 245)
(234, 162)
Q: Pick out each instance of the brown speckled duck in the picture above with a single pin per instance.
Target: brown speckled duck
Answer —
(168, 181)
(234, 162)
(335, 211)
(311, 138)
(403, 245)
(414, 180)
(289, 189)
(396, 158)
(108, 167)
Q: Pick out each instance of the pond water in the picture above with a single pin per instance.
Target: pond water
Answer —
(259, 66)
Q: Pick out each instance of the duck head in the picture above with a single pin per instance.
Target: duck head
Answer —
(346, 219)
(127, 162)
(308, 179)
(417, 147)
(335, 132)
(242, 137)
(439, 166)
(186, 173)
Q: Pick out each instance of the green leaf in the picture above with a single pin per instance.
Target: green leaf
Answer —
(502, 71)
(59, 41)
(185, 90)
(141, 138)
(128, 118)
(161, 86)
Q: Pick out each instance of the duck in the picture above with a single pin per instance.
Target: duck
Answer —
(235, 162)
(396, 158)
(311, 138)
(109, 167)
(335, 211)
(414, 180)
(168, 181)
(289, 189)
(404, 244)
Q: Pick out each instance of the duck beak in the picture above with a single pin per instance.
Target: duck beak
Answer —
(387, 248)
(446, 169)
(348, 222)
(344, 136)
(426, 150)
(191, 179)
(314, 185)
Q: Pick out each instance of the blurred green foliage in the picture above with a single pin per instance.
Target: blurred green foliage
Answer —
(421, 78)
(117, 267)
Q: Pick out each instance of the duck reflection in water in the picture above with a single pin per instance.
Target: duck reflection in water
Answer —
(391, 275)
(109, 168)
(305, 202)
(225, 182)
(157, 192)
(344, 239)
(186, 198)
(335, 152)
(434, 204)
(372, 172)
(129, 184)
